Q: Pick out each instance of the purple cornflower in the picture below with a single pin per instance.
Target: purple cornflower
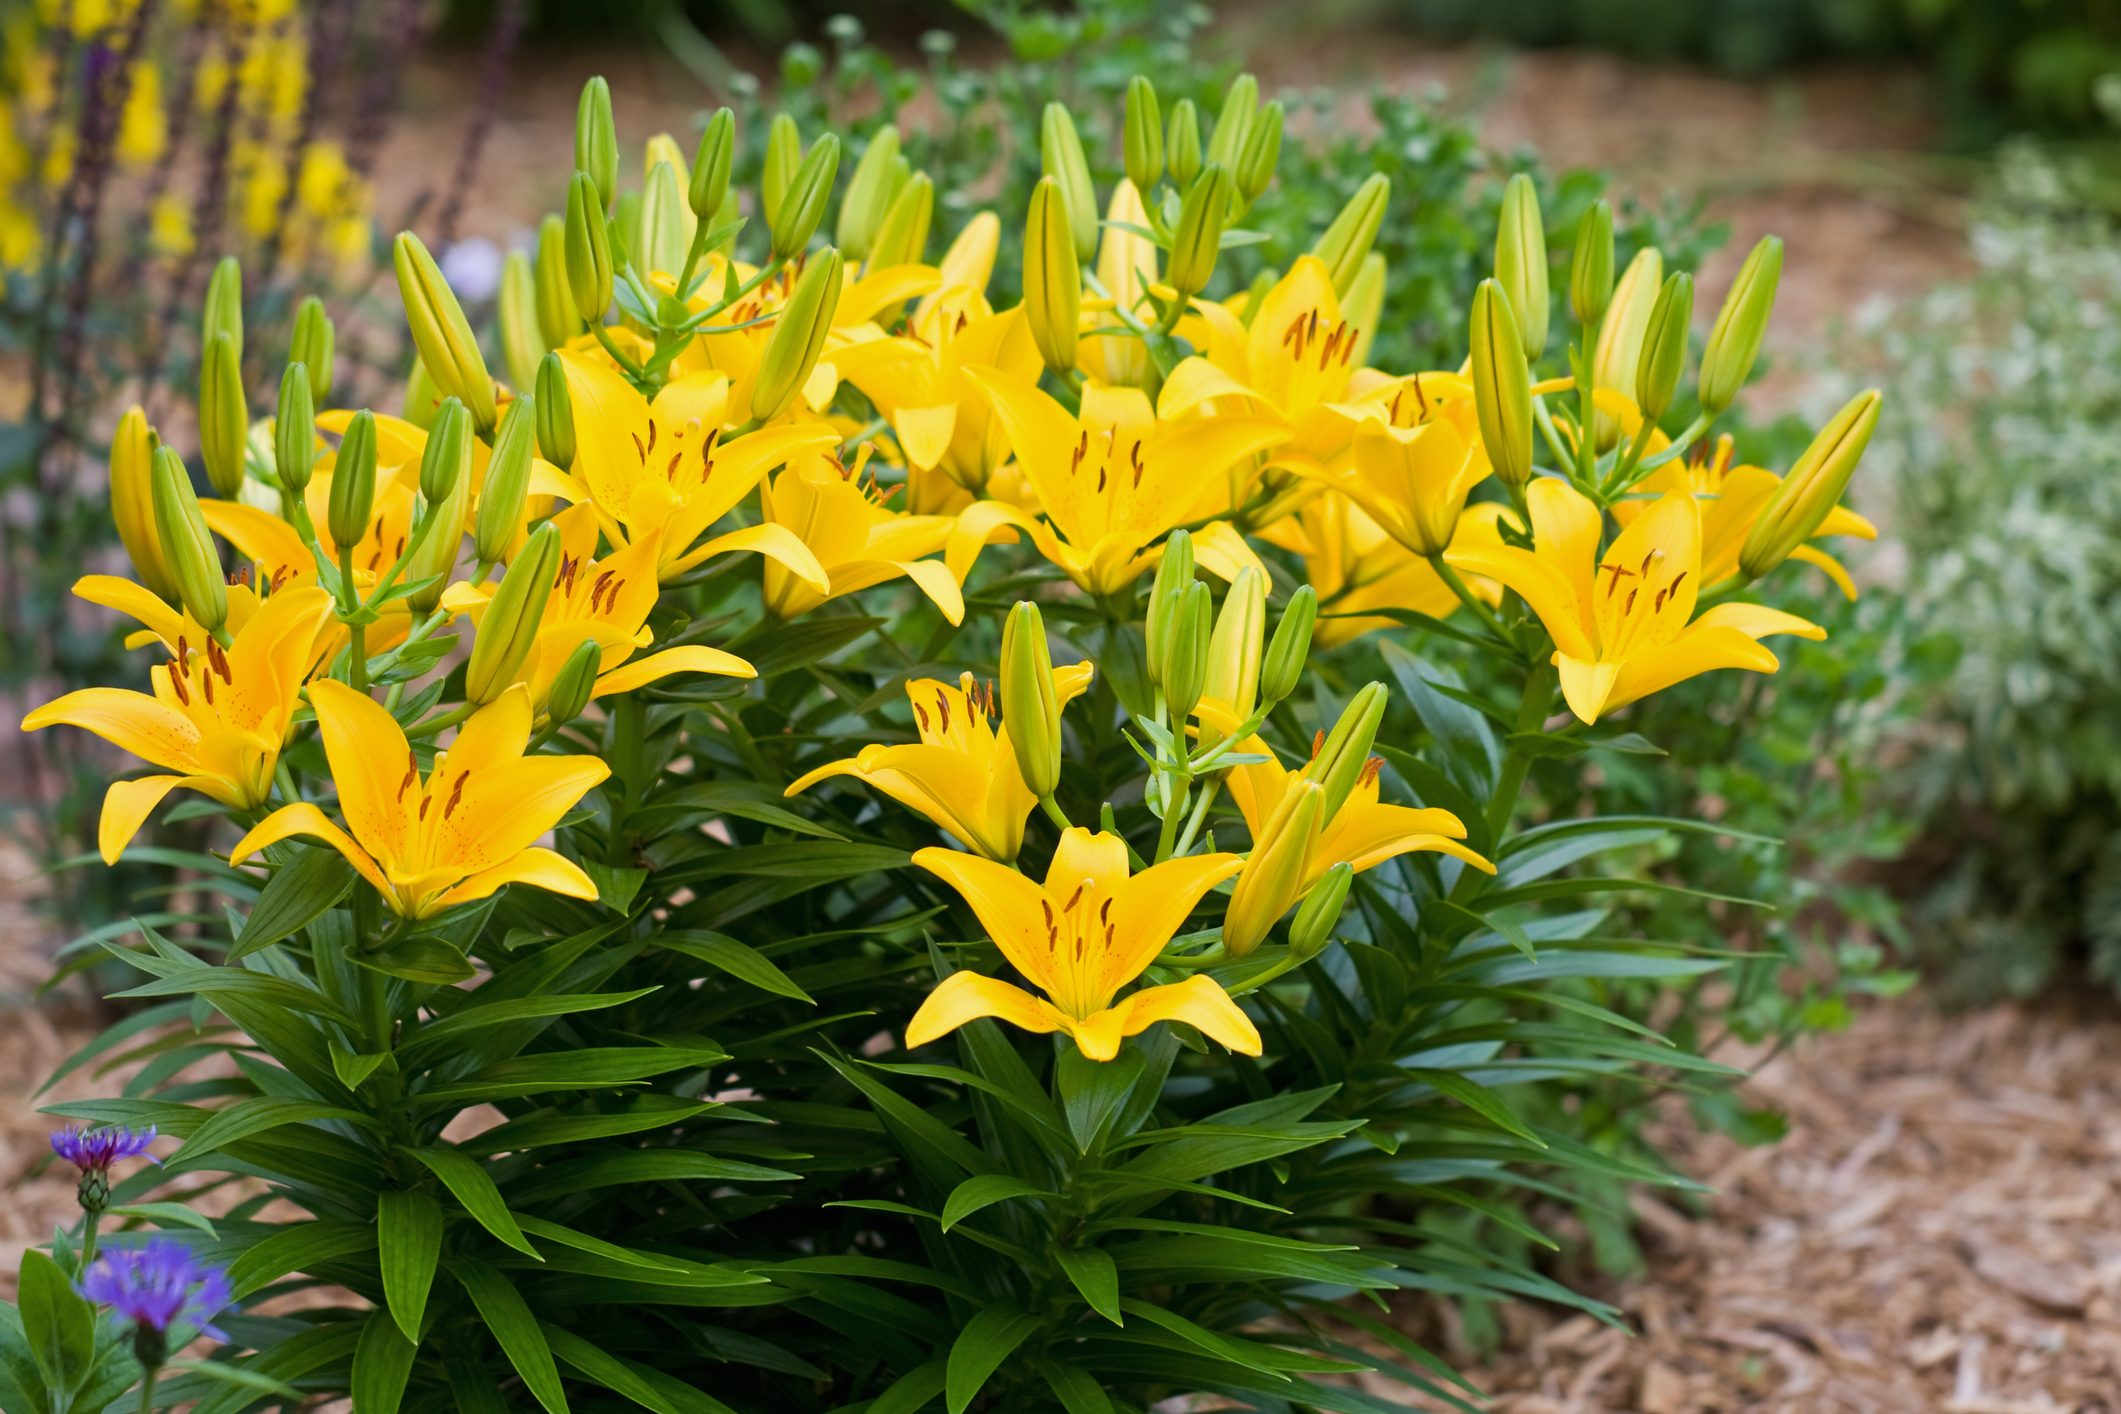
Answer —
(93, 1151)
(154, 1287)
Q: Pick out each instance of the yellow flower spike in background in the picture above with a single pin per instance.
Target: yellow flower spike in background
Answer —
(458, 834)
(962, 774)
(842, 517)
(1623, 622)
(1088, 931)
(217, 717)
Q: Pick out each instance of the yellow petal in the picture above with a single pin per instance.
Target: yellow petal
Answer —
(540, 868)
(1010, 907)
(370, 759)
(1586, 684)
(126, 806)
(1149, 908)
(1698, 650)
(1758, 621)
(1199, 1002)
(135, 601)
(776, 542)
(967, 996)
(304, 819)
(925, 432)
(935, 580)
(131, 721)
(1219, 549)
(1546, 590)
(1832, 567)
(686, 658)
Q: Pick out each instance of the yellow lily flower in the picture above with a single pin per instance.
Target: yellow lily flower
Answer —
(1356, 567)
(606, 602)
(843, 522)
(1414, 459)
(216, 718)
(1088, 931)
(962, 774)
(967, 265)
(456, 836)
(1126, 267)
(1621, 621)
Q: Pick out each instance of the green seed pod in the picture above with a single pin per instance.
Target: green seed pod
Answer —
(1053, 277)
(1664, 346)
(507, 485)
(1741, 325)
(186, 544)
(1354, 231)
(1030, 704)
(1345, 753)
(224, 304)
(441, 332)
(1255, 167)
(313, 346)
(555, 414)
(1060, 151)
(1233, 125)
(589, 271)
(1197, 242)
(574, 684)
(1521, 262)
(557, 320)
(798, 336)
(1238, 644)
(1143, 137)
(712, 164)
(509, 629)
(1813, 488)
(522, 342)
(1182, 143)
(1320, 913)
(1591, 265)
(784, 153)
(596, 141)
(1290, 648)
(802, 207)
(294, 430)
(1174, 576)
(1186, 652)
(1502, 385)
(353, 482)
(868, 194)
(1274, 873)
(224, 418)
(903, 238)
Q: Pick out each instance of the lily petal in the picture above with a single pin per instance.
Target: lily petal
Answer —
(541, 868)
(967, 996)
(126, 806)
(1198, 1002)
(686, 658)
(304, 819)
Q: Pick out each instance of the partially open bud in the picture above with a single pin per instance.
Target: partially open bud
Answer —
(1233, 124)
(224, 419)
(509, 629)
(1185, 646)
(1238, 644)
(507, 484)
(1274, 873)
(1060, 151)
(712, 164)
(1291, 646)
(224, 304)
(1182, 143)
(1174, 576)
(1363, 305)
(422, 399)
(1521, 262)
(1813, 488)
(1142, 140)
(1741, 325)
(1591, 264)
(446, 459)
(1502, 385)
(596, 141)
(1197, 242)
(1053, 278)
(132, 501)
(903, 237)
(1664, 346)
(588, 245)
(1256, 164)
(784, 153)
(1030, 704)
(312, 346)
(441, 332)
(869, 193)
(1348, 240)
(555, 414)
(1618, 351)
(1320, 913)
(557, 320)
(294, 430)
(522, 342)
(353, 482)
(574, 684)
(665, 223)
(802, 206)
(1345, 753)
(798, 336)
(188, 547)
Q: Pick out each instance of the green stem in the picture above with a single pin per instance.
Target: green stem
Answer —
(1467, 597)
(147, 1392)
(1200, 813)
(1684, 440)
(1174, 805)
(348, 604)
(441, 723)
(1552, 434)
(1054, 813)
(1531, 716)
(620, 356)
(89, 1222)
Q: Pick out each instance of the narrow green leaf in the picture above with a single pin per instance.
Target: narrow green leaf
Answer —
(521, 1339)
(985, 1190)
(382, 1363)
(293, 898)
(744, 963)
(648, 1387)
(990, 1337)
(473, 1188)
(1095, 1276)
(258, 1115)
(408, 1243)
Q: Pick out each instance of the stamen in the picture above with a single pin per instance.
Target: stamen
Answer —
(1100, 476)
(1676, 581)
(639, 450)
(1318, 743)
(206, 681)
(1629, 607)
(942, 705)
(920, 714)
(456, 794)
(651, 439)
(1074, 898)
(176, 683)
(1048, 907)
(412, 773)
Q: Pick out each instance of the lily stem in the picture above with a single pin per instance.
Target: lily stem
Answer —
(1467, 597)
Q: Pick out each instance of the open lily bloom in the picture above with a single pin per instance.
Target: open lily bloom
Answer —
(1357, 568)
(605, 602)
(1111, 481)
(846, 525)
(1414, 456)
(1088, 931)
(1623, 622)
(465, 830)
(216, 719)
(962, 774)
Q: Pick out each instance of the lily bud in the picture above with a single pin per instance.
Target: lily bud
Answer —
(1174, 575)
(509, 629)
(1813, 488)
(665, 231)
(1143, 136)
(1290, 647)
(1348, 240)
(802, 207)
(555, 414)
(522, 342)
(1502, 385)
(224, 418)
(1274, 873)
(507, 484)
(711, 165)
(596, 141)
(224, 304)
(589, 273)
(312, 346)
(1521, 262)
(1591, 264)
(1345, 753)
(1233, 124)
(440, 331)
(422, 398)
(784, 153)
(353, 482)
(1255, 166)
(1182, 143)
(1364, 305)
(132, 501)
(557, 320)
(446, 459)
(1664, 346)
(903, 237)
(1053, 278)
(194, 563)
(294, 430)
(1741, 325)
(1030, 705)
(1320, 913)
(1618, 351)
(1238, 643)
(1185, 648)
(868, 194)
(1198, 241)
(798, 336)
(1060, 151)
(574, 684)
(434, 556)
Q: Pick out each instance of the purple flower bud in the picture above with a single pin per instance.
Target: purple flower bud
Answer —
(95, 1150)
(158, 1285)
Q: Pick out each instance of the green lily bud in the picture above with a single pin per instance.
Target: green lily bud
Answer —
(353, 482)
(868, 194)
(664, 233)
(1618, 352)
(132, 501)
(1274, 873)
(446, 459)
(1348, 240)
(1174, 576)
(711, 165)
(1320, 913)
(522, 343)
(664, 148)
(1031, 713)
(1521, 262)
(422, 398)
(1290, 648)
(1182, 143)
(802, 206)
(187, 545)
(555, 414)
(798, 336)
(509, 629)
(1143, 137)
(440, 331)
(1238, 644)
(1185, 648)
(1053, 278)
(224, 304)
(557, 320)
(1741, 325)
(294, 430)
(1502, 385)
(596, 141)
(1664, 346)
(784, 153)
(1591, 265)
(903, 237)
(1255, 166)
(1345, 753)
(1813, 488)
(1233, 125)
(589, 273)
(434, 554)
(1198, 240)
(507, 485)
(224, 418)
(312, 346)
(1060, 151)
(1363, 305)
(574, 684)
